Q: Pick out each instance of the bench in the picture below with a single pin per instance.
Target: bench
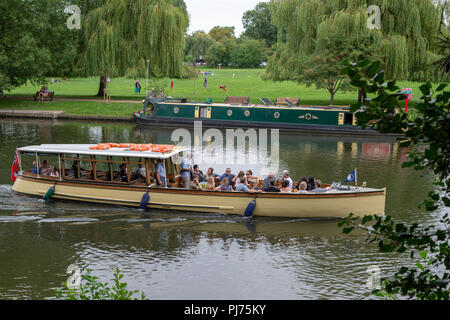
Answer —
(287, 102)
(50, 96)
(237, 100)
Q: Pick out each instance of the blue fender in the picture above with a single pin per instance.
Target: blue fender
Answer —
(144, 201)
(250, 209)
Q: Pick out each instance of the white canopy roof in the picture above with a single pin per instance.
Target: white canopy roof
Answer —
(83, 149)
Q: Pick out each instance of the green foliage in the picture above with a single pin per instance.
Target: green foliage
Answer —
(248, 54)
(405, 45)
(197, 45)
(428, 135)
(92, 289)
(34, 42)
(221, 52)
(222, 33)
(121, 35)
(258, 24)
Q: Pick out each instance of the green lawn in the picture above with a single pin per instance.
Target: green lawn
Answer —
(84, 108)
(247, 82)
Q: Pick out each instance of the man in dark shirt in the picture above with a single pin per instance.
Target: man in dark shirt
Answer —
(228, 175)
(271, 188)
(268, 180)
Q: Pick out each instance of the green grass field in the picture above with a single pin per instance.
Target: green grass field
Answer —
(247, 82)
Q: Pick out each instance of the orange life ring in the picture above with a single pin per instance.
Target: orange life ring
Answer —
(140, 147)
(125, 145)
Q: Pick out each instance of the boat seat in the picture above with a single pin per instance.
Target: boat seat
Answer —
(237, 100)
(292, 102)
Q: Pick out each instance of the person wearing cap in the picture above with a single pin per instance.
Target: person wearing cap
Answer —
(287, 178)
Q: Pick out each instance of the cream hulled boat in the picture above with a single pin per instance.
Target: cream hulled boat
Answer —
(89, 173)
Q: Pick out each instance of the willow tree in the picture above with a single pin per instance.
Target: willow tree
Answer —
(405, 43)
(121, 35)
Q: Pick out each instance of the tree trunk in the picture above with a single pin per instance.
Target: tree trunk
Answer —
(102, 86)
(362, 95)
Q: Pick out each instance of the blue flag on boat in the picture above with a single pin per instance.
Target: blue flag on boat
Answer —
(351, 177)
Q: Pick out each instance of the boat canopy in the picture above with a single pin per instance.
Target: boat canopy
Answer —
(87, 149)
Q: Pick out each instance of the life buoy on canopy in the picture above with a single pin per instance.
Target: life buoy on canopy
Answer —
(125, 145)
(140, 147)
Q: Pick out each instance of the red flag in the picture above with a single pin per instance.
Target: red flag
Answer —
(15, 167)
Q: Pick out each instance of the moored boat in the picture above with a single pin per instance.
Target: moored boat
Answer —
(89, 173)
(323, 119)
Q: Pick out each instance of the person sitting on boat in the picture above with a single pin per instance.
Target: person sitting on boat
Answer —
(161, 174)
(241, 187)
(286, 177)
(303, 179)
(54, 172)
(272, 187)
(249, 177)
(268, 181)
(210, 184)
(123, 173)
(302, 187)
(195, 184)
(198, 173)
(311, 184)
(319, 188)
(254, 186)
(35, 169)
(237, 180)
(140, 172)
(228, 175)
(45, 169)
(224, 186)
(285, 187)
(75, 165)
(210, 173)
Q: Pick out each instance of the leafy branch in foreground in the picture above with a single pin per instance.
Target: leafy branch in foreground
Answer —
(428, 136)
(92, 289)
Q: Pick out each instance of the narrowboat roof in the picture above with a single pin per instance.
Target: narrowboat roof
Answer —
(84, 149)
(301, 107)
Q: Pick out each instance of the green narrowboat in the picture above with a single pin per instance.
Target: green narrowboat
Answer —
(227, 115)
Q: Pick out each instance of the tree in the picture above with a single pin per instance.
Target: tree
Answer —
(120, 35)
(248, 54)
(404, 45)
(221, 52)
(34, 42)
(222, 33)
(258, 24)
(428, 135)
(197, 45)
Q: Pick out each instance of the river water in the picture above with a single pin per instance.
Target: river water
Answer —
(187, 255)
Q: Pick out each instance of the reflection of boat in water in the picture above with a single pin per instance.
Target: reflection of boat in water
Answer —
(95, 177)
(324, 119)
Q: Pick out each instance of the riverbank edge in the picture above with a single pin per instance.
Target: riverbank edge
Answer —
(58, 115)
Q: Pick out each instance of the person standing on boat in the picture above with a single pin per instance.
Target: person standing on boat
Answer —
(186, 170)
(161, 174)
(287, 178)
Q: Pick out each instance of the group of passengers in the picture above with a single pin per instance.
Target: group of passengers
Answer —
(247, 182)
(45, 169)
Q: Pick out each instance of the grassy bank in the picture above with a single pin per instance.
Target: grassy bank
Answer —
(246, 82)
(79, 108)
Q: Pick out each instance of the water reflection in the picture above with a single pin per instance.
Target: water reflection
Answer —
(187, 255)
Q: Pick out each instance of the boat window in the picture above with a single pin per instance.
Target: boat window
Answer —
(203, 112)
(45, 165)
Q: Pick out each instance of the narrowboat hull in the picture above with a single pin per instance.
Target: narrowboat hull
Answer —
(302, 118)
(283, 205)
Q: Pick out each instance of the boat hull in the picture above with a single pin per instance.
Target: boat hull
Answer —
(291, 205)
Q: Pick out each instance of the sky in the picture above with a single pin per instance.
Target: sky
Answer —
(206, 14)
